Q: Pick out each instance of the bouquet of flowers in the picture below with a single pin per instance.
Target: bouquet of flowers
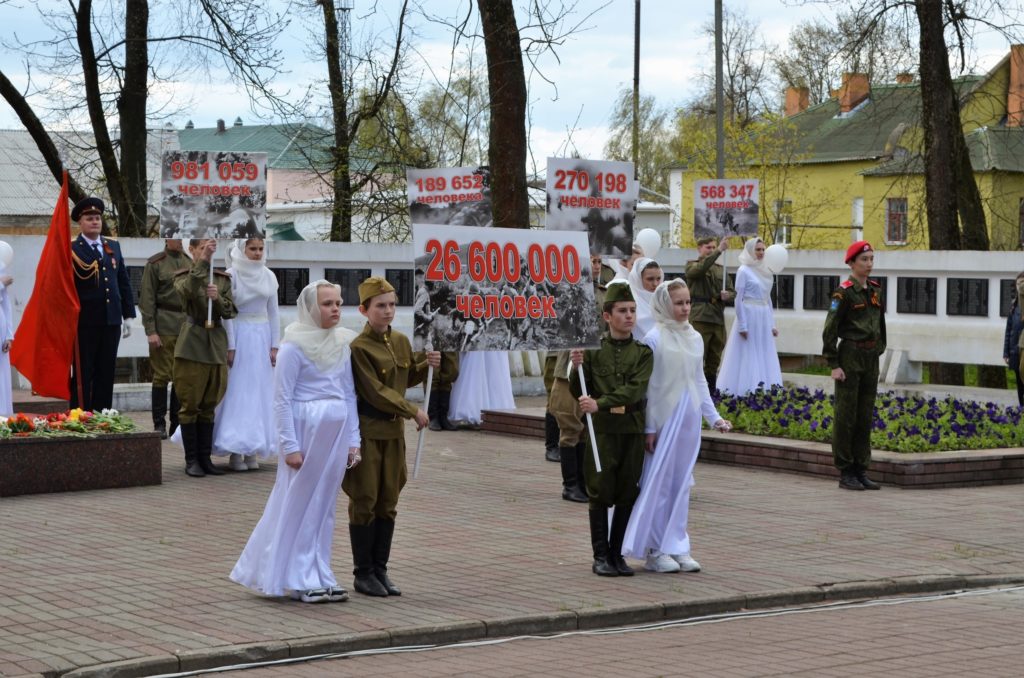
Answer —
(76, 422)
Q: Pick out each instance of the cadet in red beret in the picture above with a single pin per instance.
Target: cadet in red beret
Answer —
(853, 339)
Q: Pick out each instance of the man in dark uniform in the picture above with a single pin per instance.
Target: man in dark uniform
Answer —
(616, 377)
(201, 355)
(383, 368)
(162, 317)
(856, 322)
(704, 278)
(105, 294)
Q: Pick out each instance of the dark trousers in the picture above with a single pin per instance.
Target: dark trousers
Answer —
(854, 407)
(97, 348)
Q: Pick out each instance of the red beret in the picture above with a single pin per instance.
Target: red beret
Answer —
(856, 248)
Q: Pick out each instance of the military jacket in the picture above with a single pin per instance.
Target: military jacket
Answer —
(383, 368)
(616, 374)
(855, 314)
(704, 278)
(195, 342)
(104, 289)
(159, 302)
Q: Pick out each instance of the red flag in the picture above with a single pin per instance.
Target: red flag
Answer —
(44, 343)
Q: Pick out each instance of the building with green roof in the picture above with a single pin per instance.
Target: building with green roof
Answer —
(852, 167)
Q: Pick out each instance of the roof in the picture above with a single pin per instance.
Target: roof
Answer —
(26, 185)
(992, 149)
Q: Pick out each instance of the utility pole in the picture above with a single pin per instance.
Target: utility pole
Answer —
(636, 92)
(719, 96)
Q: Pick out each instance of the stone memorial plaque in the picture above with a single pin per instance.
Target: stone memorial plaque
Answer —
(967, 296)
(818, 291)
(135, 277)
(404, 283)
(290, 282)
(1007, 293)
(916, 295)
(349, 279)
(784, 291)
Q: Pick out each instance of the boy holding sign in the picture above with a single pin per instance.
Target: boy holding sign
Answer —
(616, 375)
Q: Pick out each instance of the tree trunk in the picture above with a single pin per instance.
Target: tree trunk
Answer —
(39, 134)
(131, 106)
(968, 197)
(946, 373)
(938, 115)
(341, 211)
(507, 85)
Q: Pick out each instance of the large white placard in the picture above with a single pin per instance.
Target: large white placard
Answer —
(725, 207)
(213, 194)
(597, 197)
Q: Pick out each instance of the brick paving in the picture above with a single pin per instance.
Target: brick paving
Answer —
(976, 635)
(93, 578)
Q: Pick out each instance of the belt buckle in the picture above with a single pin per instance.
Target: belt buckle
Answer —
(621, 409)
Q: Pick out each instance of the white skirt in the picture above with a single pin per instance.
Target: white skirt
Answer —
(661, 511)
(290, 548)
(751, 361)
(244, 421)
(484, 383)
(6, 394)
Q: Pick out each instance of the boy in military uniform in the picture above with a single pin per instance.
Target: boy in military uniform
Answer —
(201, 355)
(616, 377)
(704, 278)
(383, 368)
(856, 322)
(162, 317)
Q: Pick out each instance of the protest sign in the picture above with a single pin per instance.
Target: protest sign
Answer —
(450, 195)
(597, 197)
(213, 194)
(502, 289)
(725, 207)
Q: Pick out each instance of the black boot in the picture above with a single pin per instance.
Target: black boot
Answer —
(581, 481)
(158, 404)
(848, 480)
(551, 451)
(384, 531)
(434, 410)
(189, 442)
(204, 436)
(445, 401)
(570, 482)
(366, 582)
(599, 541)
(619, 521)
(862, 477)
(172, 412)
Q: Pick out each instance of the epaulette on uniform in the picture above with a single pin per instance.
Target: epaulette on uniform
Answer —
(159, 256)
(846, 283)
(226, 275)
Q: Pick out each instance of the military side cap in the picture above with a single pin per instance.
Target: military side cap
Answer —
(856, 248)
(373, 286)
(91, 205)
(618, 290)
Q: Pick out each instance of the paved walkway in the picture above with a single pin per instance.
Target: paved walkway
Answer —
(485, 545)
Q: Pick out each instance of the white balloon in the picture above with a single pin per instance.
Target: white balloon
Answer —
(775, 257)
(6, 254)
(649, 241)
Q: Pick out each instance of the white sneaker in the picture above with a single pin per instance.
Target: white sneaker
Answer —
(661, 562)
(312, 596)
(252, 463)
(686, 563)
(236, 463)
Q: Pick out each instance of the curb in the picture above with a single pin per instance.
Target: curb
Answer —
(539, 624)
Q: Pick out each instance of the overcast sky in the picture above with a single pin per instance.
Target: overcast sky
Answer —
(592, 66)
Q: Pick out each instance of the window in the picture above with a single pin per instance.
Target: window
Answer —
(784, 221)
(896, 220)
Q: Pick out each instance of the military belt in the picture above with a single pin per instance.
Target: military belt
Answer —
(869, 344)
(367, 410)
(629, 409)
(201, 323)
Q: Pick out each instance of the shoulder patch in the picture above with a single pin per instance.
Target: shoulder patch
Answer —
(159, 256)
(836, 302)
(846, 283)
(874, 283)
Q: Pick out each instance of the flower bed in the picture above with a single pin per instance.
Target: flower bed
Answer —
(901, 424)
(75, 450)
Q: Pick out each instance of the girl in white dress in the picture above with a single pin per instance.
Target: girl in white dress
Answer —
(644, 278)
(750, 356)
(484, 383)
(677, 396)
(6, 337)
(318, 424)
(244, 427)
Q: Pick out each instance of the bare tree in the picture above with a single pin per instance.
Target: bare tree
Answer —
(654, 154)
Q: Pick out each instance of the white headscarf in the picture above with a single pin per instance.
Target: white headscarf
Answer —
(250, 279)
(325, 347)
(641, 295)
(748, 258)
(678, 357)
